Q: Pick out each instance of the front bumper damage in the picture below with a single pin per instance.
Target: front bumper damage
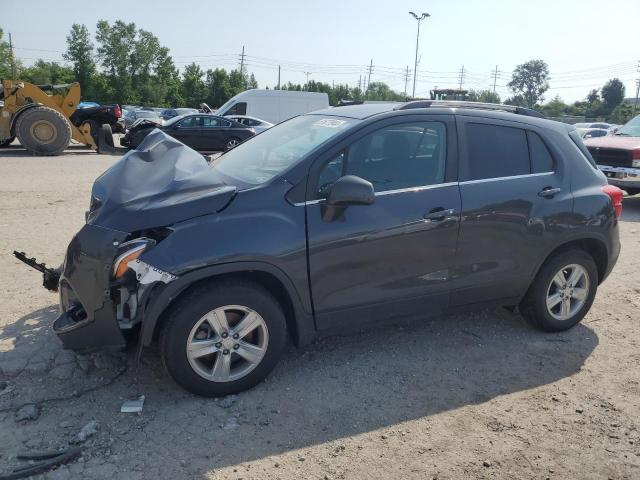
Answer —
(95, 309)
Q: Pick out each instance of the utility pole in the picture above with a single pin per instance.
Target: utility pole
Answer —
(278, 77)
(461, 77)
(406, 80)
(360, 82)
(415, 65)
(635, 106)
(242, 66)
(307, 74)
(495, 79)
(13, 61)
(370, 70)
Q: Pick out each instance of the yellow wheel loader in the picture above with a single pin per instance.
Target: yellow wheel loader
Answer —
(45, 123)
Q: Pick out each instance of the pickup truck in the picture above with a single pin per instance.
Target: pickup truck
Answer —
(618, 156)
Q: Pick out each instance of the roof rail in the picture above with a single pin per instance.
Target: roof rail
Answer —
(461, 104)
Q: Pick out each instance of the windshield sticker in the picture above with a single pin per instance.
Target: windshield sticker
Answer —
(329, 123)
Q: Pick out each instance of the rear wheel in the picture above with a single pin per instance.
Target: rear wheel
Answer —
(43, 131)
(562, 292)
(223, 337)
(232, 143)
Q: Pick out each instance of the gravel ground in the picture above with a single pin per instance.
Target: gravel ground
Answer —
(466, 396)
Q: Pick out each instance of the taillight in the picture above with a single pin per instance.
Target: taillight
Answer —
(117, 111)
(616, 198)
(636, 155)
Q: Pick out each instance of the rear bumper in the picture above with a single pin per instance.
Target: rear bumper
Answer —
(87, 317)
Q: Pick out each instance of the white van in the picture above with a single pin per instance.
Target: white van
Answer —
(274, 106)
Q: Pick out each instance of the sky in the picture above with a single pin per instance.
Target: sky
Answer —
(584, 42)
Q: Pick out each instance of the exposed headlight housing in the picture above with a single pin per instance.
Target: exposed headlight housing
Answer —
(635, 163)
(128, 252)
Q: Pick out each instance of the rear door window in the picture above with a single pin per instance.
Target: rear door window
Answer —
(495, 151)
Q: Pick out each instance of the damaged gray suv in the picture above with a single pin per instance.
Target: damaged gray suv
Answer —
(329, 221)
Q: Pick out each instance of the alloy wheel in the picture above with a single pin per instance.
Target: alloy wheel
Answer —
(568, 291)
(227, 343)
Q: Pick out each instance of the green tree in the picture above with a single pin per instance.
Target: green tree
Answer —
(8, 61)
(194, 90)
(530, 80)
(115, 51)
(622, 114)
(612, 95)
(555, 108)
(80, 54)
(218, 87)
(486, 96)
(43, 72)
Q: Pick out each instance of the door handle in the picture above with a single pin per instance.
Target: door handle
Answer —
(549, 191)
(439, 214)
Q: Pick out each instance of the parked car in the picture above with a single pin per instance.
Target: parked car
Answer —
(592, 132)
(334, 219)
(256, 123)
(98, 116)
(168, 113)
(135, 115)
(618, 156)
(87, 105)
(593, 125)
(274, 106)
(203, 132)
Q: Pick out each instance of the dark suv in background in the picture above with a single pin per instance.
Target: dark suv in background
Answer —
(331, 220)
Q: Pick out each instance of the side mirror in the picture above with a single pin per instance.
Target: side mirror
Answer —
(351, 190)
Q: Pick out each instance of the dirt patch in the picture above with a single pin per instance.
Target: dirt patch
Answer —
(466, 396)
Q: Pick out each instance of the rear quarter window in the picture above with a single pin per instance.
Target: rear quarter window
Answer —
(577, 140)
(541, 159)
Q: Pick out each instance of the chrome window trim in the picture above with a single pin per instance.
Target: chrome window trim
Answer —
(414, 189)
(389, 192)
(439, 185)
(512, 177)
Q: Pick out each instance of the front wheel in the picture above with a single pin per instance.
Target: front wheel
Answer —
(562, 292)
(7, 142)
(232, 143)
(223, 338)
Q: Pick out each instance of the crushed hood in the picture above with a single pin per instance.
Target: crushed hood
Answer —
(159, 184)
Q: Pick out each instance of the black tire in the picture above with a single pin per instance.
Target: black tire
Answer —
(93, 126)
(231, 142)
(534, 305)
(105, 139)
(192, 306)
(54, 135)
(7, 142)
(632, 191)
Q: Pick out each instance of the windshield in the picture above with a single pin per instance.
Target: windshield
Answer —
(275, 150)
(631, 128)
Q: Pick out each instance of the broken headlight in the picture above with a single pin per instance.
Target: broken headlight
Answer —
(128, 252)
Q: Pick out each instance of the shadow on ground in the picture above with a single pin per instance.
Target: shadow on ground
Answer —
(337, 388)
(631, 209)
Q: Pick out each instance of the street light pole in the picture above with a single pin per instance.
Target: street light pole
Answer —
(415, 65)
